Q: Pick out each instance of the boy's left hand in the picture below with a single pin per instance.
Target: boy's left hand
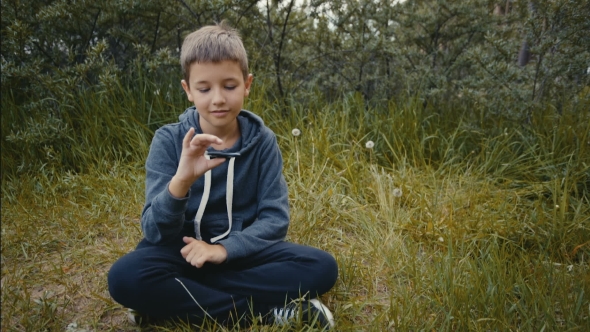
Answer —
(198, 252)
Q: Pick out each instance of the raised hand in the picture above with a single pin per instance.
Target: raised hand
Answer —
(193, 164)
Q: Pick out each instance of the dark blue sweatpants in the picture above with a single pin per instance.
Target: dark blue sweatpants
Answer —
(152, 280)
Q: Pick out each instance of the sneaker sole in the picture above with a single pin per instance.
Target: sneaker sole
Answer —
(316, 303)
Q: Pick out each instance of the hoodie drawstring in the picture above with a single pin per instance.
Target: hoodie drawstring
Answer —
(229, 195)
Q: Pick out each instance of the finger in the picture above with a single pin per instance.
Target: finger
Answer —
(200, 261)
(205, 140)
(189, 258)
(193, 261)
(185, 251)
(187, 138)
(188, 239)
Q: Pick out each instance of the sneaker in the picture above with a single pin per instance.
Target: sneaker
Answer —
(311, 312)
(136, 318)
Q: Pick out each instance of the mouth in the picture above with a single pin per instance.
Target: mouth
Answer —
(219, 113)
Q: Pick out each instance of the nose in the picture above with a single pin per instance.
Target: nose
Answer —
(218, 97)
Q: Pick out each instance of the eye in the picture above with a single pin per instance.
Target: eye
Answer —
(203, 90)
(231, 87)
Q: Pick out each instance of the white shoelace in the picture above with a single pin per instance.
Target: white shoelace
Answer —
(283, 315)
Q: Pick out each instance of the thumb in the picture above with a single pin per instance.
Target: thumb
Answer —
(188, 240)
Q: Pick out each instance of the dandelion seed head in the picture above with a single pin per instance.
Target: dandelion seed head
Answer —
(295, 132)
(557, 206)
(440, 239)
(370, 144)
(397, 192)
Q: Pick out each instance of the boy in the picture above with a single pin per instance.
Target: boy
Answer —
(214, 228)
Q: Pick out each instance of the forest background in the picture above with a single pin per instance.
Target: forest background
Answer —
(443, 154)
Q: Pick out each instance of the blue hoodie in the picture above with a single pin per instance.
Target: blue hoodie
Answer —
(245, 214)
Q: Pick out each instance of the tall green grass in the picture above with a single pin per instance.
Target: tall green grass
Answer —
(445, 224)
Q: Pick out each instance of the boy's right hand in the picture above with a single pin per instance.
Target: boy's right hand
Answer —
(193, 164)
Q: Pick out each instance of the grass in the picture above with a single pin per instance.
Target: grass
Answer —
(491, 230)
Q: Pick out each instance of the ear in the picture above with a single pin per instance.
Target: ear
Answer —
(248, 84)
(187, 90)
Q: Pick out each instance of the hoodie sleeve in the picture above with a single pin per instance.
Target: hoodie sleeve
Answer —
(272, 220)
(163, 215)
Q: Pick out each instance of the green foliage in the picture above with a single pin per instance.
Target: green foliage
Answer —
(63, 61)
(88, 125)
(556, 74)
(56, 53)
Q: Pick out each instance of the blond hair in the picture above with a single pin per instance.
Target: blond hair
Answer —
(213, 43)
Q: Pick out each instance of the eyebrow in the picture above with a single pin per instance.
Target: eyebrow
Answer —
(223, 80)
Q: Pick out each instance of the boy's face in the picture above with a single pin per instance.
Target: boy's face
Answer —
(218, 91)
